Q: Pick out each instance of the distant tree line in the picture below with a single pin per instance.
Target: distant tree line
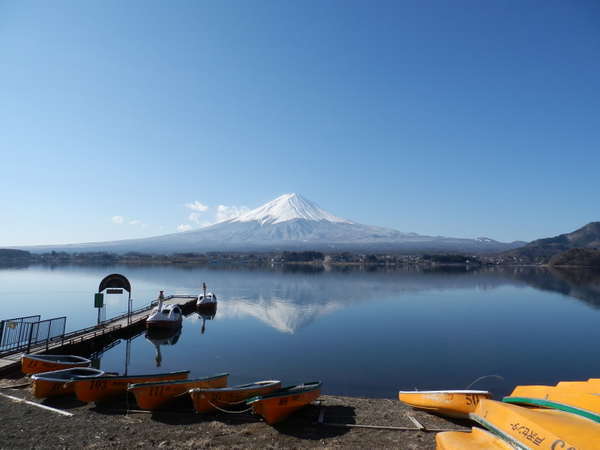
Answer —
(308, 256)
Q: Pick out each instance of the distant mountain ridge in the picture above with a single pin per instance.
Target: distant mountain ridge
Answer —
(586, 237)
(289, 222)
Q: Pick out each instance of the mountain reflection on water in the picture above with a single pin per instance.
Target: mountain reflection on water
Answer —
(296, 297)
(362, 332)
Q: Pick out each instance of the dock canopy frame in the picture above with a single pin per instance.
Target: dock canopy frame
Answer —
(117, 281)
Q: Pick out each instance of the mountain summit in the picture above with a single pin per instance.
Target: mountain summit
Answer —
(289, 222)
(288, 207)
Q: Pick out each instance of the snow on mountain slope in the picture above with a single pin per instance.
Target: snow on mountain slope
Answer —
(288, 207)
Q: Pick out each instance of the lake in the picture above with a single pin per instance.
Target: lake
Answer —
(363, 333)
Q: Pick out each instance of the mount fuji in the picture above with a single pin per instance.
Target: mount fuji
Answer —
(289, 222)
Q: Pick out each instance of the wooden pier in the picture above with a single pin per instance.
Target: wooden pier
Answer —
(96, 337)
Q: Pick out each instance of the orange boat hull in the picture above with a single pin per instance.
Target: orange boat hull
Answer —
(204, 400)
(32, 366)
(45, 388)
(155, 396)
(276, 409)
(103, 388)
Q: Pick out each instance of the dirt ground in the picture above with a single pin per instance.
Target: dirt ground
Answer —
(113, 426)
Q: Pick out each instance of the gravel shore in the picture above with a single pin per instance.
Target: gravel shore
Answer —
(113, 426)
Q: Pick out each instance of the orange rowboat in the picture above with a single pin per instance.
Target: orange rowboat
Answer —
(542, 429)
(457, 403)
(31, 364)
(278, 405)
(476, 439)
(153, 395)
(102, 388)
(206, 400)
(50, 384)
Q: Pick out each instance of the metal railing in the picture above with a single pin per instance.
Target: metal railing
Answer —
(13, 332)
(24, 332)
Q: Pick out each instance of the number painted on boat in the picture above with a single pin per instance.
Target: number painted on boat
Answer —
(472, 399)
(98, 385)
(156, 391)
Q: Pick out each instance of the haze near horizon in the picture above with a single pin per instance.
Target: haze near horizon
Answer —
(140, 119)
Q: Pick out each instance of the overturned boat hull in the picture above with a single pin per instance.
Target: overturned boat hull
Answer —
(585, 404)
(476, 439)
(543, 429)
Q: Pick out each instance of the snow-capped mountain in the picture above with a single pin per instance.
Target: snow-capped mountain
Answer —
(289, 222)
(288, 207)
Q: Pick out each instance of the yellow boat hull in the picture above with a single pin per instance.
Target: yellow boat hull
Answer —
(476, 439)
(583, 403)
(542, 429)
(449, 403)
(154, 395)
(590, 386)
(103, 388)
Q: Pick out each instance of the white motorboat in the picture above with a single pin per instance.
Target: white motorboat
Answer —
(164, 316)
(206, 299)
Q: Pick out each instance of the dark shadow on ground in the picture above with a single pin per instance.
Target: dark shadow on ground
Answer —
(303, 424)
(64, 402)
(191, 417)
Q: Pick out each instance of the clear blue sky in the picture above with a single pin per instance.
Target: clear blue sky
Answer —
(456, 118)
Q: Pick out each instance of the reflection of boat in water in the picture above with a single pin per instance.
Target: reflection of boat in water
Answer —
(164, 316)
(206, 300)
(207, 314)
(162, 336)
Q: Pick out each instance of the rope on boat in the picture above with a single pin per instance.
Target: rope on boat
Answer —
(483, 378)
(228, 412)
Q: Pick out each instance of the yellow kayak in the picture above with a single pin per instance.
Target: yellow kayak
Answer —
(476, 439)
(543, 429)
(590, 386)
(457, 403)
(584, 404)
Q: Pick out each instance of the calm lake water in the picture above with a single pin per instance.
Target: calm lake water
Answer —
(361, 333)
